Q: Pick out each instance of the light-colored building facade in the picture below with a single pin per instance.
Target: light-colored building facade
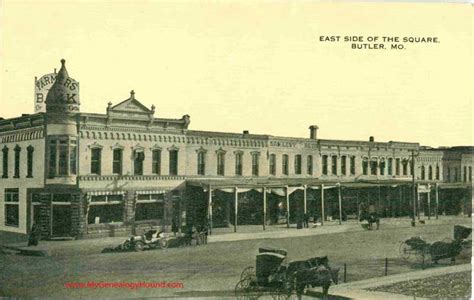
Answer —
(83, 174)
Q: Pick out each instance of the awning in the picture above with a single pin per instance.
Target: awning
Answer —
(150, 192)
(103, 193)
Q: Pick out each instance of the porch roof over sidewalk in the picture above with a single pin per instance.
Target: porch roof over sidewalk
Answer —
(248, 182)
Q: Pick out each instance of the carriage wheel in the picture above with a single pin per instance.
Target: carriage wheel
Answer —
(139, 246)
(242, 288)
(405, 251)
(247, 272)
(164, 243)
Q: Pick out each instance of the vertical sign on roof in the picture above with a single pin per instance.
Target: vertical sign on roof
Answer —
(42, 86)
(45, 82)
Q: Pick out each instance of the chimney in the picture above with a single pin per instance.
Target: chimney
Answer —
(313, 132)
(371, 139)
(245, 132)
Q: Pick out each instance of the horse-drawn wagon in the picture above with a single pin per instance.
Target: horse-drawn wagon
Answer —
(448, 248)
(271, 276)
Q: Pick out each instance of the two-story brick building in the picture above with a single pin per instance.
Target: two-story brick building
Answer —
(86, 174)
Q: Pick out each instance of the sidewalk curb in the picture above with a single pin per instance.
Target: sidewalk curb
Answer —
(25, 252)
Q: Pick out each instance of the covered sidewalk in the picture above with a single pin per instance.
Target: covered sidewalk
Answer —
(263, 188)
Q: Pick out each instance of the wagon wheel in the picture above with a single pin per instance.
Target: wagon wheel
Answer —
(247, 272)
(423, 255)
(405, 250)
(164, 243)
(139, 246)
(242, 288)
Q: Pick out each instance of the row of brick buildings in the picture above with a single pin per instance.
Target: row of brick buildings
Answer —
(86, 174)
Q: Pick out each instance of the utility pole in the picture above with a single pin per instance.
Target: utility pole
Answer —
(413, 222)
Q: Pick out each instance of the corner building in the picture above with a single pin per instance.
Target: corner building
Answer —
(88, 175)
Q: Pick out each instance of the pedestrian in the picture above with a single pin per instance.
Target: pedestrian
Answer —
(35, 235)
(174, 225)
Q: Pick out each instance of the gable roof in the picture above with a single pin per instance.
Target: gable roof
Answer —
(131, 105)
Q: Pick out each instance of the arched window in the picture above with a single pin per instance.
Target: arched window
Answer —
(437, 172)
(272, 165)
(430, 173)
(284, 164)
(298, 164)
(334, 165)
(422, 172)
(365, 166)
(221, 163)
(17, 162)
(201, 162)
(325, 165)
(29, 161)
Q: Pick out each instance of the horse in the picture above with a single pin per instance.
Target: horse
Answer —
(442, 250)
(313, 277)
(371, 218)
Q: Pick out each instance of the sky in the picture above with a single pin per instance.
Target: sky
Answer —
(253, 65)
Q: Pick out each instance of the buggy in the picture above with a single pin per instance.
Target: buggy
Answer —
(271, 277)
(447, 248)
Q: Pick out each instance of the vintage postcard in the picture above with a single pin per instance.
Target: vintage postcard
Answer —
(236, 149)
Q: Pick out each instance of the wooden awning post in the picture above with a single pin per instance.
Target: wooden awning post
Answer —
(236, 208)
(437, 200)
(264, 206)
(305, 208)
(418, 201)
(287, 207)
(209, 211)
(340, 202)
(322, 205)
(429, 202)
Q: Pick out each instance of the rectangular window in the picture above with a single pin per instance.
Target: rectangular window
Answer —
(353, 165)
(343, 165)
(238, 164)
(464, 175)
(201, 163)
(325, 165)
(156, 162)
(12, 200)
(17, 162)
(117, 161)
(73, 157)
(437, 172)
(5, 162)
(397, 166)
(95, 160)
(138, 158)
(373, 167)
(298, 164)
(63, 158)
(173, 162)
(255, 158)
(105, 209)
(150, 207)
(334, 165)
(449, 174)
(221, 163)
(29, 162)
(390, 166)
(284, 164)
(52, 158)
(272, 164)
(405, 167)
(310, 165)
